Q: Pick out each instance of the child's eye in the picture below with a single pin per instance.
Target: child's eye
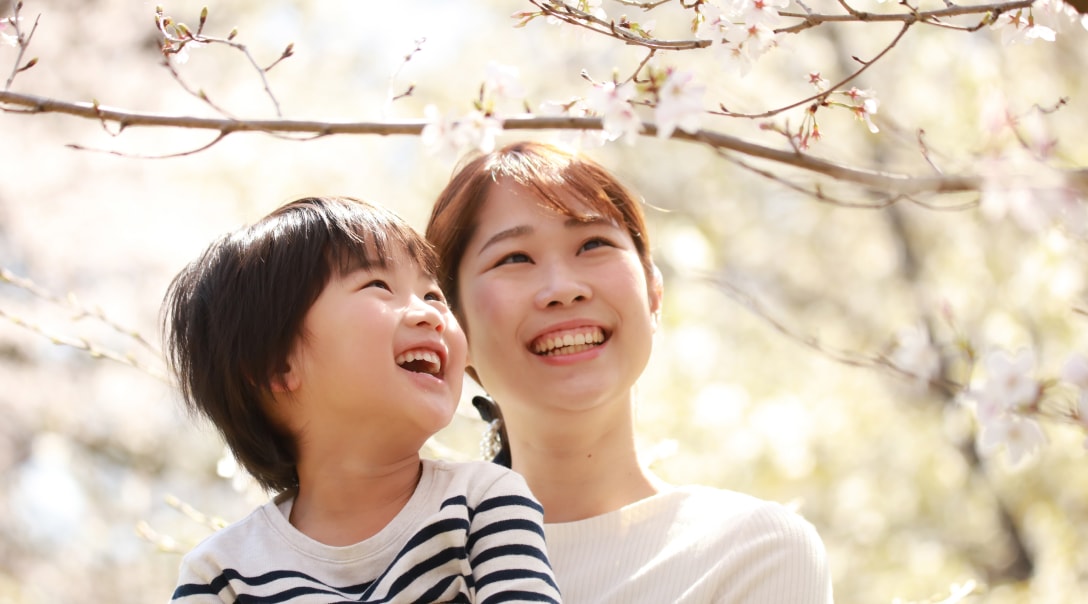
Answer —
(435, 296)
(377, 283)
(595, 243)
(515, 258)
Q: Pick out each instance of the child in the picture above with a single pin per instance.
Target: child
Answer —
(318, 343)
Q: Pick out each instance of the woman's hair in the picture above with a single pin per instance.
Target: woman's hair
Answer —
(232, 317)
(555, 176)
(558, 179)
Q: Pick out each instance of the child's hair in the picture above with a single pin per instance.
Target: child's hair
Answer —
(231, 318)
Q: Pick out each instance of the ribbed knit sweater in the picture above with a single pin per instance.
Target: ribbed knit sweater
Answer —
(691, 545)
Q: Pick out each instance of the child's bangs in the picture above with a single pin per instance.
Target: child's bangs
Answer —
(368, 241)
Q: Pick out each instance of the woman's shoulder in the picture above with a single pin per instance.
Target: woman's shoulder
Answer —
(732, 513)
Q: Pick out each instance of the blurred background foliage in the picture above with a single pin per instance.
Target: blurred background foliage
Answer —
(765, 286)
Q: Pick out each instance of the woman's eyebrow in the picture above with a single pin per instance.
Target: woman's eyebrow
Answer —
(510, 233)
(522, 230)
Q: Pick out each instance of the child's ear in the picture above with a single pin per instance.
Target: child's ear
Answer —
(286, 380)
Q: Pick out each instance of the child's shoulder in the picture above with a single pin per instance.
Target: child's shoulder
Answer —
(476, 478)
(254, 530)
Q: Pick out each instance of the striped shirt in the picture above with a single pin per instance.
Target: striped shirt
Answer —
(471, 532)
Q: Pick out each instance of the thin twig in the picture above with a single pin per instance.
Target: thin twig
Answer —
(23, 43)
(71, 302)
(569, 14)
(82, 344)
(822, 95)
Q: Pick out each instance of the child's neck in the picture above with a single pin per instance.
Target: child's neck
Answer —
(341, 503)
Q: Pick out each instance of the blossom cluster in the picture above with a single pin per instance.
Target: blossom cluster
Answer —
(1041, 21)
(1008, 398)
(741, 31)
(673, 96)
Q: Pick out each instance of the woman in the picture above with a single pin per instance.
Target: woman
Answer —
(546, 262)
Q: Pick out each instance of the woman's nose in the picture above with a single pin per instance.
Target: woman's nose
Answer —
(562, 286)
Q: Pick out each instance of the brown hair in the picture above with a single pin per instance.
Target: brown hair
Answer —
(553, 175)
(232, 316)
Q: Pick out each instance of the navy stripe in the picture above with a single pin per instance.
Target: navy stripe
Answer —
(518, 596)
(227, 575)
(514, 574)
(505, 500)
(510, 549)
(501, 526)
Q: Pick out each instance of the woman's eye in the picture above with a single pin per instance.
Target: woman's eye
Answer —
(514, 258)
(595, 243)
(377, 283)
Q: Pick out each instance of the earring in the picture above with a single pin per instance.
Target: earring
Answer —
(491, 443)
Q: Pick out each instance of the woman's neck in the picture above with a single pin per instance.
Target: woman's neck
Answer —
(586, 465)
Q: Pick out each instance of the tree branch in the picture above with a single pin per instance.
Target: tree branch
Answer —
(880, 181)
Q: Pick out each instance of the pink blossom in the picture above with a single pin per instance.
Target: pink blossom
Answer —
(1010, 385)
(679, 104)
(818, 81)
(581, 139)
(612, 103)
(503, 81)
(735, 58)
(1021, 438)
(867, 106)
(916, 355)
(1075, 370)
(760, 12)
(449, 136)
(1018, 26)
(6, 38)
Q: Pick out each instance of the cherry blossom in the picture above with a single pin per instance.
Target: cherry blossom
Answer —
(916, 355)
(679, 104)
(760, 12)
(1010, 385)
(818, 81)
(1019, 26)
(612, 103)
(1009, 390)
(1033, 197)
(712, 25)
(6, 38)
(1021, 438)
(866, 107)
(581, 139)
(1075, 372)
(503, 81)
(449, 136)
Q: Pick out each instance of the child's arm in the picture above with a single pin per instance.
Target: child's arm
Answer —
(506, 546)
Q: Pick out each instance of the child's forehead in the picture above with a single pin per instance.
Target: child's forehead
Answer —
(369, 258)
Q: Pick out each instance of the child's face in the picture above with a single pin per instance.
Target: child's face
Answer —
(380, 360)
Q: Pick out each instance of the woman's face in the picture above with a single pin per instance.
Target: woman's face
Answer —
(558, 311)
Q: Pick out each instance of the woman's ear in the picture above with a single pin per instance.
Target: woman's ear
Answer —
(470, 371)
(657, 294)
